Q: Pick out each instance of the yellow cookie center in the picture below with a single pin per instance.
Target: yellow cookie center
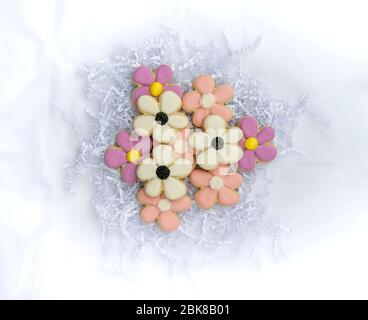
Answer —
(133, 155)
(251, 143)
(156, 89)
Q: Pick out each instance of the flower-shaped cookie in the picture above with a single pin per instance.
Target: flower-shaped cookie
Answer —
(217, 186)
(164, 173)
(153, 84)
(163, 210)
(160, 119)
(256, 143)
(218, 144)
(127, 154)
(208, 99)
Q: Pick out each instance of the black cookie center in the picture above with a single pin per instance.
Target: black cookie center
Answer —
(163, 172)
(217, 143)
(162, 118)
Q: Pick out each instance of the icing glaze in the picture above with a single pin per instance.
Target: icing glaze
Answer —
(162, 118)
(163, 173)
(257, 143)
(217, 145)
(128, 152)
(162, 210)
(153, 83)
(207, 99)
(216, 186)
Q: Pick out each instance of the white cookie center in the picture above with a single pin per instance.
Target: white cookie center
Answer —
(164, 205)
(208, 100)
(216, 183)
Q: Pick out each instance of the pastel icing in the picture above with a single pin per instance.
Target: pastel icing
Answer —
(257, 143)
(207, 99)
(217, 144)
(154, 83)
(216, 186)
(163, 173)
(162, 118)
(126, 155)
(163, 210)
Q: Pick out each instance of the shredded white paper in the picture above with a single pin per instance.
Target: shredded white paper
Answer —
(204, 235)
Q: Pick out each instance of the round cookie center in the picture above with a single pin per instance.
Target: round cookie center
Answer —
(164, 205)
(208, 100)
(156, 89)
(216, 183)
(163, 172)
(162, 118)
(251, 143)
(218, 143)
(133, 155)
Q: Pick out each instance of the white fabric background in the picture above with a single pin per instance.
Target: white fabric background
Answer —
(50, 240)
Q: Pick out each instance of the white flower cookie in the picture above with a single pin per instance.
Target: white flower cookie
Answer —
(218, 145)
(163, 173)
(160, 119)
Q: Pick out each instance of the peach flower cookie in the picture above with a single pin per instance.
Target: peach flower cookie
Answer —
(217, 186)
(160, 119)
(257, 143)
(163, 210)
(163, 173)
(153, 83)
(207, 99)
(217, 145)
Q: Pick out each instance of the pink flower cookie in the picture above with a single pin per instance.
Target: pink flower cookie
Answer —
(153, 83)
(256, 143)
(163, 210)
(208, 99)
(217, 186)
(128, 152)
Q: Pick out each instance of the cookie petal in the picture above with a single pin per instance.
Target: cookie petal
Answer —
(178, 120)
(248, 161)
(191, 101)
(138, 92)
(143, 144)
(214, 122)
(181, 168)
(163, 155)
(147, 170)
(199, 115)
(222, 111)
(199, 141)
(168, 221)
(230, 153)
(176, 89)
(223, 93)
(124, 140)
(143, 75)
(148, 105)
(149, 214)
(200, 178)
(143, 125)
(208, 159)
(170, 102)
(249, 125)
(266, 153)
(233, 135)
(181, 205)
(164, 74)
(174, 189)
(233, 180)
(204, 84)
(144, 199)
(129, 173)
(115, 157)
(206, 198)
(228, 197)
(267, 134)
(164, 134)
(153, 188)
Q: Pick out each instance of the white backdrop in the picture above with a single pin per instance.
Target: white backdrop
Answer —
(50, 240)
